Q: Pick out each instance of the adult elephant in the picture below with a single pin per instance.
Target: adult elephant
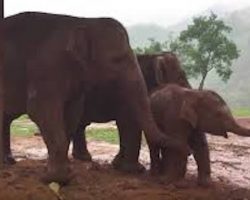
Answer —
(157, 69)
(160, 69)
(55, 65)
(1, 83)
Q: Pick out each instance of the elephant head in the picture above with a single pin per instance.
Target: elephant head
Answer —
(206, 111)
(160, 69)
(171, 71)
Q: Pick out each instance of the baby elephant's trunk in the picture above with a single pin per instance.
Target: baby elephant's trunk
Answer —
(240, 130)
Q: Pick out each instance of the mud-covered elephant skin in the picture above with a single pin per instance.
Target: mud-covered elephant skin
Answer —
(53, 63)
(178, 112)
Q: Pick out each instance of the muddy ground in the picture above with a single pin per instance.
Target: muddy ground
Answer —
(98, 181)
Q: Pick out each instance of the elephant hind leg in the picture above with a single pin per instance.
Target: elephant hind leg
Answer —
(198, 143)
(174, 165)
(74, 114)
(155, 164)
(80, 151)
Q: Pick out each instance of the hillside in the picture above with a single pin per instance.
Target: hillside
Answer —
(237, 90)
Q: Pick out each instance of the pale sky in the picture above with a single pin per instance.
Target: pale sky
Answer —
(129, 12)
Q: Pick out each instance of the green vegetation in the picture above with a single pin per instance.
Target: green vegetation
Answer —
(109, 135)
(236, 91)
(23, 126)
(204, 46)
(153, 47)
(26, 128)
(241, 112)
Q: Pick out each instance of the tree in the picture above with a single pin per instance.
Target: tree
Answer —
(205, 46)
(153, 47)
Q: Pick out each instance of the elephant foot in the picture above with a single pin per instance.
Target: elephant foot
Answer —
(56, 177)
(156, 170)
(181, 184)
(176, 179)
(119, 158)
(205, 181)
(9, 160)
(133, 168)
(61, 175)
(83, 156)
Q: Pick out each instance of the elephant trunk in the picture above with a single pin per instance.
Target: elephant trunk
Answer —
(240, 130)
(142, 112)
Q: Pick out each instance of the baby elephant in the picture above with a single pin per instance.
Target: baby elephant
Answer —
(183, 112)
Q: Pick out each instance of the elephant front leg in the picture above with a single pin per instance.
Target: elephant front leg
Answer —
(80, 151)
(198, 143)
(130, 142)
(49, 116)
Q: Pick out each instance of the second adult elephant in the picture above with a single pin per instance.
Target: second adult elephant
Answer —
(160, 69)
(157, 69)
(56, 65)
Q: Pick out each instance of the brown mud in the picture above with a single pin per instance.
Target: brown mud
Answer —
(230, 160)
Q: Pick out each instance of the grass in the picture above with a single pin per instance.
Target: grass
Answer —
(109, 135)
(24, 127)
(241, 112)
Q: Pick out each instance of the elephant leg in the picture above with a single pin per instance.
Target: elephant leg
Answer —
(174, 165)
(49, 116)
(130, 143)
(80, 151)
(74, 114)
(155, 160)
(198, 143)
(8, 157)
(135, 98)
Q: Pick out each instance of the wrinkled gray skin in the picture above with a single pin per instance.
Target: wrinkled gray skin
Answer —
(181, 112)
(157, 69)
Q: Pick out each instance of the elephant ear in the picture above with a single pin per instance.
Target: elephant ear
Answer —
(158, 70)
(188, 113)
(79, 45)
